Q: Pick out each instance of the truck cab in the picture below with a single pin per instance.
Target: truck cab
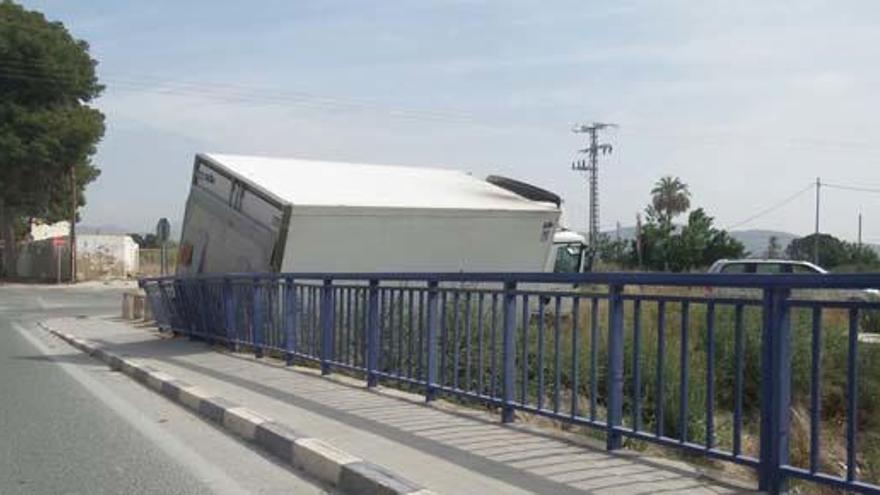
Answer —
(569, 252)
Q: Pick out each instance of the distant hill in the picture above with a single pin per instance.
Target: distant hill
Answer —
(101, 229)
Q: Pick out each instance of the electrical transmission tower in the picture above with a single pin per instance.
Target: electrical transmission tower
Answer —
(591, 165)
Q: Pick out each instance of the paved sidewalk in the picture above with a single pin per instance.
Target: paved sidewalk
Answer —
(443, 451)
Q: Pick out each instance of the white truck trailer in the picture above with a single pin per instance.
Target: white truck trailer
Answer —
(258, 214)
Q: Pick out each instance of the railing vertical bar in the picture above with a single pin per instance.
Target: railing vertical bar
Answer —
(383, 331)
(433, 320)
(366, 312)
(815, 376)
(738, 357)
(339, 325)
(400, 319)
(350, 332)
(423, 330)
(524, 364)
(594, 356)
(443, 343)
(299, 310)
(613, 438)
(328, 312)
(257, 317)
(557, 351)
(637, 368)
(509, 351)
(289, 320)
(314, 316)
(340, 330)
(494, 346)
(541, 338)
(230, 314)
(456, 327)
(775, 391)
(659, 406)
(575, 364)
(710, 375)
(852, 371)
(683, 379)
(386, 329)
(467, 340)
(481, 370)
(372, 330)
(411, 333)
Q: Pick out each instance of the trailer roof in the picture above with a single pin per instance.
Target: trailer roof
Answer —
(325, 183)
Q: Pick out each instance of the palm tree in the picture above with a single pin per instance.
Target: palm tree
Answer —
(669, 198)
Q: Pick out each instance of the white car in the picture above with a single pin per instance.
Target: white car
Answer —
(775, 266)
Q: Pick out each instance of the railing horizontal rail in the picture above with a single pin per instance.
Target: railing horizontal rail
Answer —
(792, 281)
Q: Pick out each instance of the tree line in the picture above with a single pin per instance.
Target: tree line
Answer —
(661, 244)
(48, 132)
(834, 254)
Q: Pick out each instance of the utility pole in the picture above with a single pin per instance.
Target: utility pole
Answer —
(72, 236)
(816, 232)
(639, 239)
(591, 165)
(860, 229)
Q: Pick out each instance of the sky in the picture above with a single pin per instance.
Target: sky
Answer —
(747, 102)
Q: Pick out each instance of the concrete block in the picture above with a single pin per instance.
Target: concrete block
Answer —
(366, 478)
(243, 422)
(172, 388)
(277, 439)
(320, 459)
(148, 309)
(128, 305)
(214, 408)
(155, 379)
(192, 397)
(137, 312)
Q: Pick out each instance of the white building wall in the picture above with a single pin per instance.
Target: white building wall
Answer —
(106, 256)
(40, 231)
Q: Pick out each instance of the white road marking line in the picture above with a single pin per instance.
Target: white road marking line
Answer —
(210, 474)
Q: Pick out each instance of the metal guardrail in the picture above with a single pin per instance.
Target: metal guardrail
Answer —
(649, 357)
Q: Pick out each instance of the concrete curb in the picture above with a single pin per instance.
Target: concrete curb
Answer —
(350, 474)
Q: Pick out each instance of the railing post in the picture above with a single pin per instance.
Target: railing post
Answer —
(257, 293)
(433, 315)
(192, 309)
(775, 391)
(229, 309)
(509, 354)
(615, 366)
(181, 308)
(289, 320)
(373, 334)
(326, 326)
(204, 304)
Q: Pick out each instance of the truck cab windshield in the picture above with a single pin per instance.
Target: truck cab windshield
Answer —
(569, 257)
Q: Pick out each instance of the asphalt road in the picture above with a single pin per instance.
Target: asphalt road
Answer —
(70, 425)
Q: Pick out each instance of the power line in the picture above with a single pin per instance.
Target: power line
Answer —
(227, 92)
(774, 207)
(852, 188)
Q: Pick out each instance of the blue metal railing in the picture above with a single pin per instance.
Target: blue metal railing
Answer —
(692, 362)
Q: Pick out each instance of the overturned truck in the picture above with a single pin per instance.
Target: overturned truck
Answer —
(259, 214)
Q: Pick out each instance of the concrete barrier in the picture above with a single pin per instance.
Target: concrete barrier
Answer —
(136, 306)
(349, 474)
